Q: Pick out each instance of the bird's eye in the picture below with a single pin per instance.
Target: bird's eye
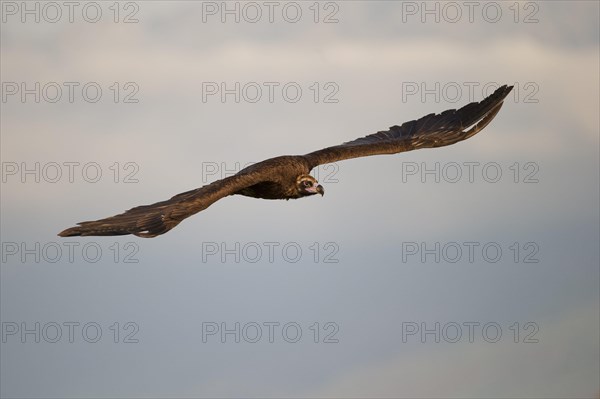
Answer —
(307, 183)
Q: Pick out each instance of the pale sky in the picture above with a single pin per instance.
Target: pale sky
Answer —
(133, 113)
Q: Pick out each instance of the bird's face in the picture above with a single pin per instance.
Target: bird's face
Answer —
(308, 185)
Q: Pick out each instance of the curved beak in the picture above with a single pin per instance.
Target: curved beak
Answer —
(321, 190)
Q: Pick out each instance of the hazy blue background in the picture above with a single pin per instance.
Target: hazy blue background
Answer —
(371, 54)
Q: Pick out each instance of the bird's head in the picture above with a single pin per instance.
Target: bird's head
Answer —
(308, 185)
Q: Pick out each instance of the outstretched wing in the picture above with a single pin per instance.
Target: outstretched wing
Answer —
(158, 218)
(430, 131)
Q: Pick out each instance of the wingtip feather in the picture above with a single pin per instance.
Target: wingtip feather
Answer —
(70, 232)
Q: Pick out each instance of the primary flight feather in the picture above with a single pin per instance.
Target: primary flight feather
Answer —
(287, 177)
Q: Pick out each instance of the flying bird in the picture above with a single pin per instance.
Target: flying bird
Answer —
(287, 177)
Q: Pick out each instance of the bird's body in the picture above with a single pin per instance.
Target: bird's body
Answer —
(284, 171)
(287, 177)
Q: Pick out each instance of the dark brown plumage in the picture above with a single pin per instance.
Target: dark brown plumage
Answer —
(287, 177)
